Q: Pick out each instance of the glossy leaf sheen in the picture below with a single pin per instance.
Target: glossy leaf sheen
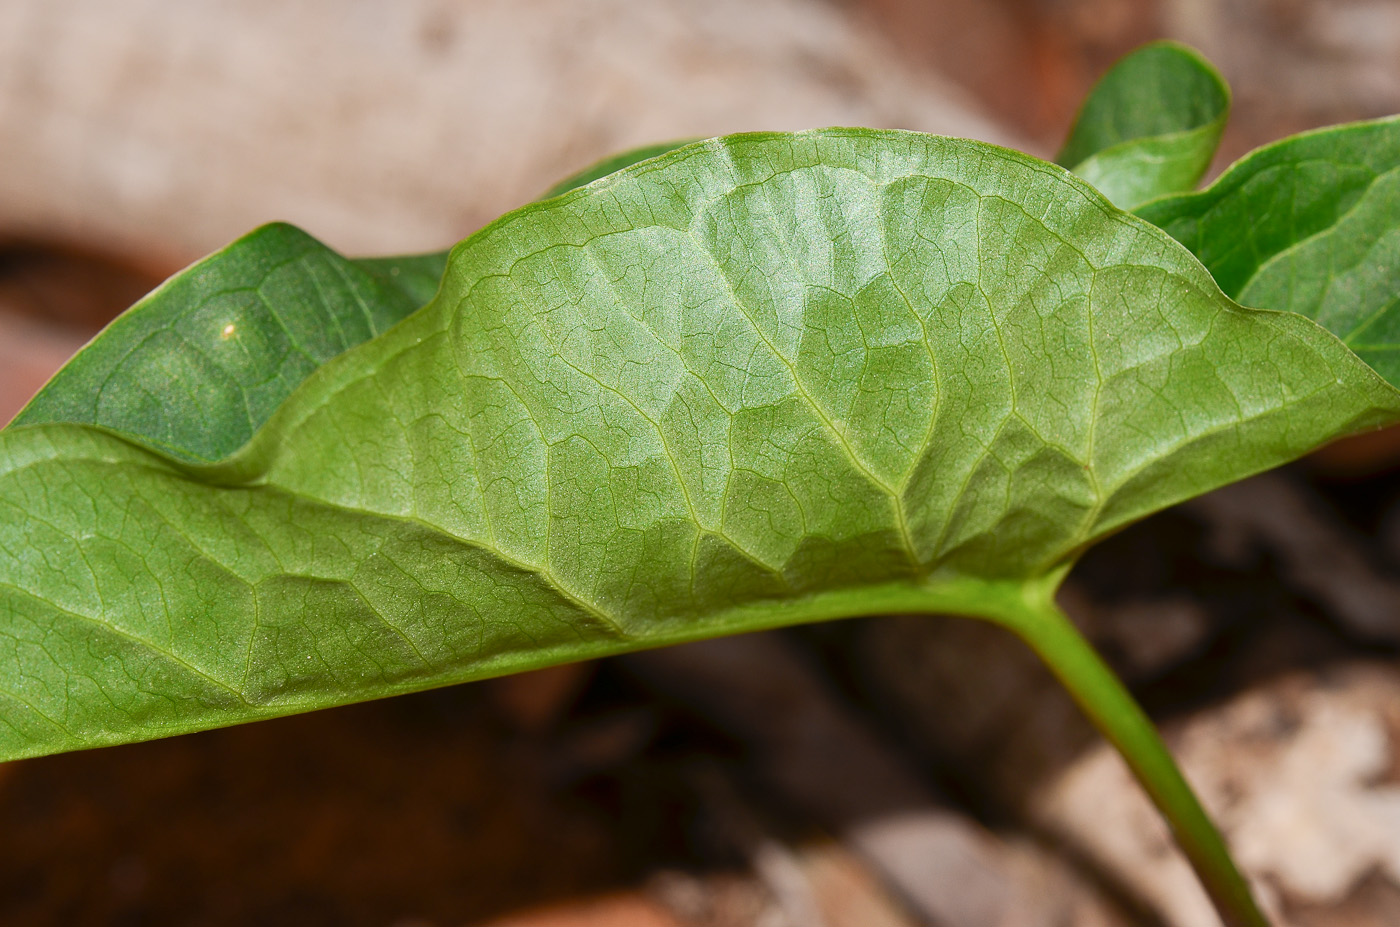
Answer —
(757, 381)
(1150, 126)
(199, 364)
(1310, 224)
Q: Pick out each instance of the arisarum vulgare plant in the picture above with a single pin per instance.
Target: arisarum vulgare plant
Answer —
(743, 383)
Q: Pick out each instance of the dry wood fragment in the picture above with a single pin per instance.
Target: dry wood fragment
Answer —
(823, 761)
(165, 128)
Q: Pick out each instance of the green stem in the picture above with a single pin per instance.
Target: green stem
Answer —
(1114, 712)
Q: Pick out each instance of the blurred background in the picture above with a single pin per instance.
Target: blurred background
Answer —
(870, 773)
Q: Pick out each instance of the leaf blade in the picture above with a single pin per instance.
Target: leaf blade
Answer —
(195, 367)
(1309, 224)
(1150, 126)
(761, 380)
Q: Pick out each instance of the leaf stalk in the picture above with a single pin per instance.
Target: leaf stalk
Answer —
(1113, 710)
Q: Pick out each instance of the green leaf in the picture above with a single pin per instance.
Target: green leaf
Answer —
(1310, 224)
(757, 381)
(198, 365)
(1150, 126)
(416, 275)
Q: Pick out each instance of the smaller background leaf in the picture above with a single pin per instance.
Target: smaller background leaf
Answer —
(196, 366)
(1150, 126)
(417, 275)
(1310, 224)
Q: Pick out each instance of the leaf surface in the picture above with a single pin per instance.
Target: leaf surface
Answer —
(1310, 224)
(757, 381)
(198, 365)
(1150, 126)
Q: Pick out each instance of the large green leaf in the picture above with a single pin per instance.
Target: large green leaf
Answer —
(1310, 224)
(1150, 126)
(199, 364)
(757, 381)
